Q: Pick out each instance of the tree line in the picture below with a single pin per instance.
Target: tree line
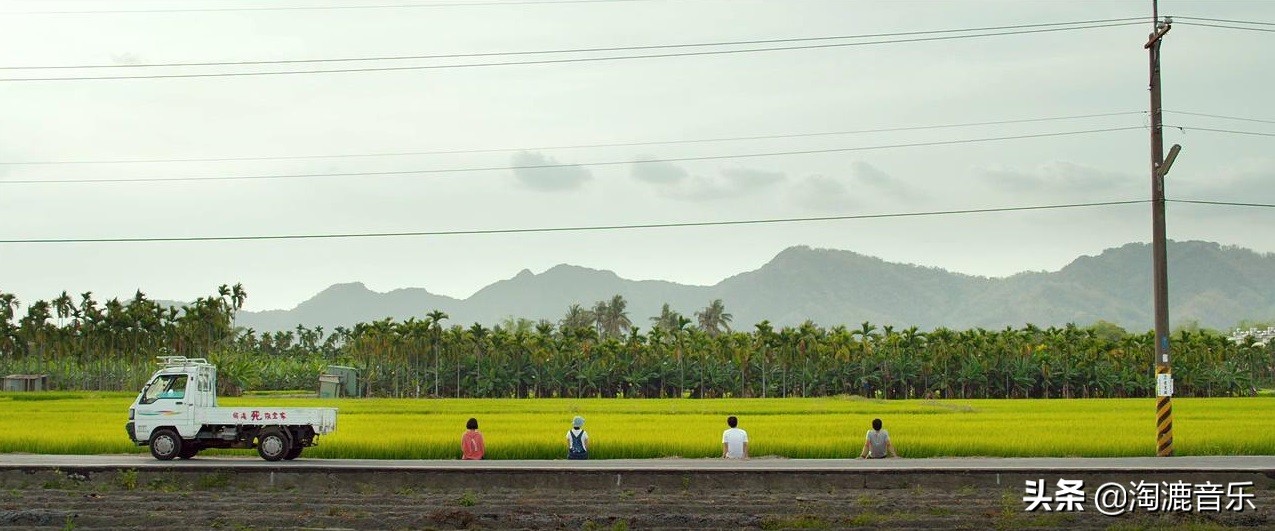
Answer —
(599, 351)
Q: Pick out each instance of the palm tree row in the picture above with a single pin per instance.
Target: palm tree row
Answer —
(598, 352)
(97, 346)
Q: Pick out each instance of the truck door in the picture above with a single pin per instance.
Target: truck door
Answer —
(165, 403)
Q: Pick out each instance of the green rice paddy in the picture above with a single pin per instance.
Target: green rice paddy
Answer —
(382, 428)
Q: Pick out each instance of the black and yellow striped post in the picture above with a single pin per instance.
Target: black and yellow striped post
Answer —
(1164, 411)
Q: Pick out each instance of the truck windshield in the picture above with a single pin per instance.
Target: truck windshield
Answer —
(166, 386)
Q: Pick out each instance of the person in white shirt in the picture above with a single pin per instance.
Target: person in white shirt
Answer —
(877, 445)
(577, 440)
(734, 441)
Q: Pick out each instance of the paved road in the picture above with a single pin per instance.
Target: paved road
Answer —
(1264, 464)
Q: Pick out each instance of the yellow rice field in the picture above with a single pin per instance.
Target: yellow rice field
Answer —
(380, 428)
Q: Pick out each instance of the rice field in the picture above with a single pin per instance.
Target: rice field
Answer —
(381, 428)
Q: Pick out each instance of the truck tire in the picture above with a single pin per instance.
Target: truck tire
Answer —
(165, 444)
(273, 444)
(189, 450)
(294, 452)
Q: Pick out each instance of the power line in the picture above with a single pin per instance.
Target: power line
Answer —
(560, 165)
(1221, 203)
(570, 229)
(1220, 116)
(578, 59)
(1224, 26)
(583, 146)
(579, 50)
(319, 8)
(1254, 22)
(1185, 128)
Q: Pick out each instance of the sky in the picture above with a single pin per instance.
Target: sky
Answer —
(1069, 106)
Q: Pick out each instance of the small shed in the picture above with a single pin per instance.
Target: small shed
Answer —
(329, 386)
(26, 382)
(349, 378)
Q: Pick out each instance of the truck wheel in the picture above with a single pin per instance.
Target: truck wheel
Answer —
(273, 444)
(293, 453)
(165, 444)
(188, 451)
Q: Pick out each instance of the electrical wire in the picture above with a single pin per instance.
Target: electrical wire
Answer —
(594, 228)
(1254, 22)
(1185, 128)
(1266, 30)
(590, 228)
(575, 50)
(1221, 203)
(1220, 116)
(582, 146)
(574, 59)
(317, 8)
(561, 165)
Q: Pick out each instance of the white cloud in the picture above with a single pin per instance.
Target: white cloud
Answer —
(1247, 180)
(559, 177)
(822, 193)
(1061, 179)
(675, 182)
(746, 179)
(877, 180)
(654, 171)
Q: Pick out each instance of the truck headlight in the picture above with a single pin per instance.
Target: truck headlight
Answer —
(130, 413)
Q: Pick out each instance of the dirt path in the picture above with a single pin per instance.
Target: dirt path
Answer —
(131, 499)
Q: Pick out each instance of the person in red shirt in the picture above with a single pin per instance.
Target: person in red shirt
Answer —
(471, 443)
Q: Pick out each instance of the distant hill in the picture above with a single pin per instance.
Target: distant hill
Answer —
(1214, 285)
(347, 304)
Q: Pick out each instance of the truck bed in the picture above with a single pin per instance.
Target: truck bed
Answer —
(322, 419)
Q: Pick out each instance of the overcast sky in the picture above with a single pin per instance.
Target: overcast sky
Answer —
(532, 115)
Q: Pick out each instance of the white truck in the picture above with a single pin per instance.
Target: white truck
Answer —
(176, 414)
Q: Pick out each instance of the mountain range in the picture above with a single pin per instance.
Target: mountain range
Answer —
(1214, 285)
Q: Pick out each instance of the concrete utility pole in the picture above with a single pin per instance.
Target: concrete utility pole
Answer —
(1159, 254)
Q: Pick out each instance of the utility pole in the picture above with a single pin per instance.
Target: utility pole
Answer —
(1159, 253)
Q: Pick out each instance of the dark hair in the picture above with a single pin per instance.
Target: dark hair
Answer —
(876, 424)
(472, 424)
(732, 421)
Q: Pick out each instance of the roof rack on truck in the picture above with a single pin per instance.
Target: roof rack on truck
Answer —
(181, 361)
